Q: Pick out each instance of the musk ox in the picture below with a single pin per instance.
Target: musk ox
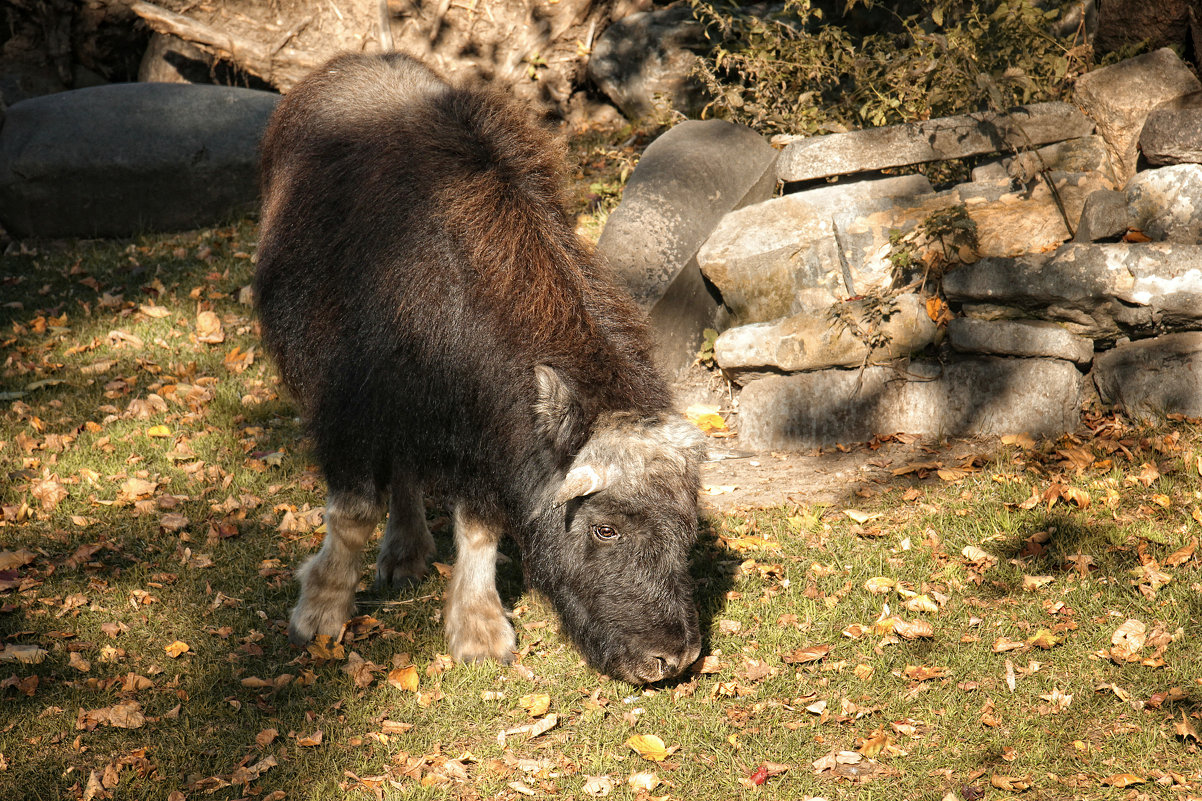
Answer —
(430, 307)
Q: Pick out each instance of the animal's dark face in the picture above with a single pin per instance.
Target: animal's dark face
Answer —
(612, 550)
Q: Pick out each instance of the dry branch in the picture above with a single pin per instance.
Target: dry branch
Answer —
(281, 67)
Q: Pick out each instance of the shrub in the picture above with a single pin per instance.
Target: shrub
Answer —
(799, 69)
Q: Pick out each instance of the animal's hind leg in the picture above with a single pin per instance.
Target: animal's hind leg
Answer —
(407, 545)
(477, 628)
(328, 579)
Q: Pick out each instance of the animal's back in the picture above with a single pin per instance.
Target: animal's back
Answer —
(416, 263)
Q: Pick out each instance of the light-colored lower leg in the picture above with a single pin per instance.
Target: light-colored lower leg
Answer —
(476, 626)
(407, 545)
(328, 579)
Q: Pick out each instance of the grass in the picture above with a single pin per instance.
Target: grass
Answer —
(157, 490)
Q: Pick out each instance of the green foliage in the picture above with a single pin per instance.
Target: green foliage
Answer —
(805, 69)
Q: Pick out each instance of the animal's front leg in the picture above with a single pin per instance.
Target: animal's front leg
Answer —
(476, 626)
(328, 579)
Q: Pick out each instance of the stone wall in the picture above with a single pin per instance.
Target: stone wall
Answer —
(1084, 280)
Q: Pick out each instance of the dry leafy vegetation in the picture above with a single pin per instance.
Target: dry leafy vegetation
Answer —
(1025, 621)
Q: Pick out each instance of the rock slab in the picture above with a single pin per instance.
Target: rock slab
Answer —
(930, 140)
(1153, 377)
(1029, 338)
(128, 158)
(1099, 291)
(812, 342)
(974, 397)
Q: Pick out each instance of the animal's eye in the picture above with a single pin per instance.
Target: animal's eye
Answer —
(605, 532)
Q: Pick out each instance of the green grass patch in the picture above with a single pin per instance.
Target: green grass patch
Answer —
(1023, 623)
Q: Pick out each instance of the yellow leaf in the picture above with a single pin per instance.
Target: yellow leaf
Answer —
(1162, 500)
(1043, 639)
(153, 311)
(708, 419)
(404, 678)
(921, 603)
(875, 742)
(208, 328)
(1033, 583)
(912, 631)
(536, 704)
(177, 649)
(648, 746)
(158, 431)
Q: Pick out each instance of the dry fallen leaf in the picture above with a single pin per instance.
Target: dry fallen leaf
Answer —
(1182, 554)
(14, 559)
(708, 419)
(309, 740)
(597, 786)
(1127, 640)
(536, 704)
(810, 653)
(879, 585)
(1122, 780)
(208, 328)
(404, 678)
(646, 781)
(176, 649)
(648, 746)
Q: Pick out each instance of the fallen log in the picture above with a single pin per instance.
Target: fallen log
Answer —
(278, 65)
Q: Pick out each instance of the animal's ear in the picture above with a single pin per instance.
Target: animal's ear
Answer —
(558, 415)
(584, 480)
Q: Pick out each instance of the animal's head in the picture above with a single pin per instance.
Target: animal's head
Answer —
(611, 546)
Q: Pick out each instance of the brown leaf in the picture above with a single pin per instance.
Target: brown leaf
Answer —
(208, 328)
(1184, 728)
(1182, 554)
(404, 678)
(1011, 784)
(1122, 780)
(14, 559)
(309, 740)
(810, 653)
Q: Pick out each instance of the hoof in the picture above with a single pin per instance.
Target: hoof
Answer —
(481, 637)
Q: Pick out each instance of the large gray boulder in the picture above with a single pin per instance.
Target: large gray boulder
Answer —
(127, 158)
(973, 397)
(686, 181)
(1172, 133)
(1100, 291)
(1153, 376)
(1120, 97)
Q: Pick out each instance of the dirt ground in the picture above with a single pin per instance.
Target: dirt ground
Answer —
(739, 477)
